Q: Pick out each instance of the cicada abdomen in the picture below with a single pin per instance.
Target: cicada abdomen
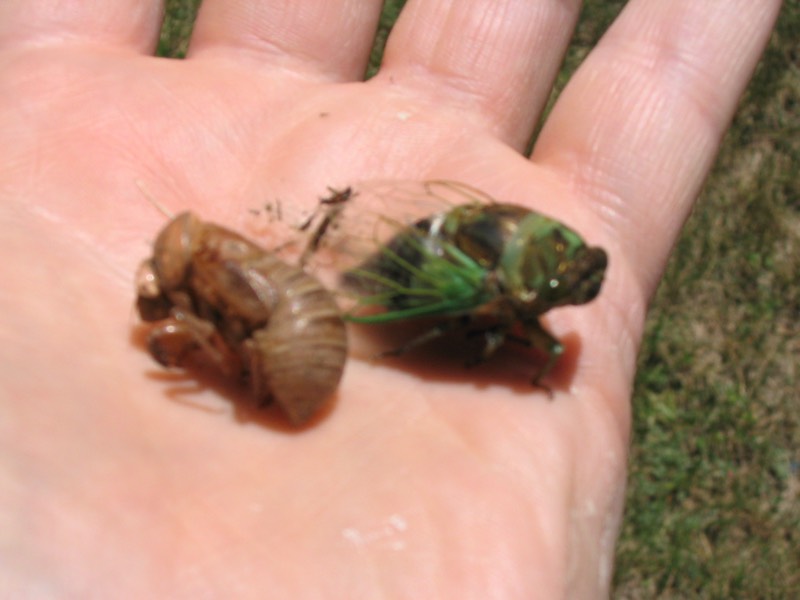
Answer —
(299, 356)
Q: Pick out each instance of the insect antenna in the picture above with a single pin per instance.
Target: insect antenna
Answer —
(160, 207)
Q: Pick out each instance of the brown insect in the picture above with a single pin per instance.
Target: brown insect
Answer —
(218, 298)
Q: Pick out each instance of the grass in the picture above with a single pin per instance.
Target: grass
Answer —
(712, 507)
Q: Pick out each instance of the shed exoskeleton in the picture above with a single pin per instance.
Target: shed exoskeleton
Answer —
(215, 297)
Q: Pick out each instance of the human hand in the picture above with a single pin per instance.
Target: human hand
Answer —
(411, 487)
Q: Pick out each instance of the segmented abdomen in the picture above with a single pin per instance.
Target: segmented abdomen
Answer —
(298, 357)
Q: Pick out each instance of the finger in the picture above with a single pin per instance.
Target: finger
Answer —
(492, 61)
(133, 24)
(324, 38)
(638, 126)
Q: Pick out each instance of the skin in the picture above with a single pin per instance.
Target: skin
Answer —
(418, 483)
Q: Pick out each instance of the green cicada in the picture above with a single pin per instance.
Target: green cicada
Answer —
(475, 260)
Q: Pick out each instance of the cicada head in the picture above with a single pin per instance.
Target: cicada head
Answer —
(579, 277)
(174, 248)
(167, 269)
(548, 265)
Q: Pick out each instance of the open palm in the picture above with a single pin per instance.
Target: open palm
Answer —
(419, 483)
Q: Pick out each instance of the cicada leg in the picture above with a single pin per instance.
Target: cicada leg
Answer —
(537, 337)
(494, 337)
(173, 341)
(428, 336)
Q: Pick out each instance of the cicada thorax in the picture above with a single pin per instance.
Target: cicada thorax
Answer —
(254, 315)
(483, 231)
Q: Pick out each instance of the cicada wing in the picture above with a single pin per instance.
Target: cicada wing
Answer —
(375, 212)
(389, 261)
(409, 201)
(351, 220)
(367, 229)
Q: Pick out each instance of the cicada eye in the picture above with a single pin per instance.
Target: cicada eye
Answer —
(147, 284)
(585, 275)
(574, 271)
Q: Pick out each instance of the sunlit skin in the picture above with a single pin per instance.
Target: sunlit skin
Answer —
(117, 480)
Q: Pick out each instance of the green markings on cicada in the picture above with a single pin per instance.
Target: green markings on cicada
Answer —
(410, 278)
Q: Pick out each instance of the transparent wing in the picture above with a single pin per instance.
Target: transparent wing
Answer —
(348, 231)
(357, 228)
(380, 237)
